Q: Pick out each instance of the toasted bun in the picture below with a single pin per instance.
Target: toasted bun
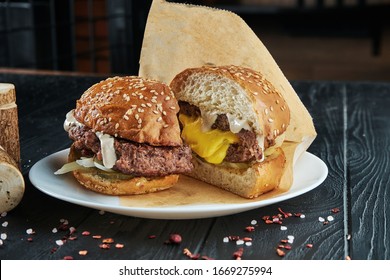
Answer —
(116, 184)
(239, 91)
(251, 182)
(132, 108)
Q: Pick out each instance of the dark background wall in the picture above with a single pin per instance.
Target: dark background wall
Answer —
(310, 39)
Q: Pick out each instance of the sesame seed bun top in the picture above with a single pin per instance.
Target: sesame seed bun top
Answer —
(132, 108)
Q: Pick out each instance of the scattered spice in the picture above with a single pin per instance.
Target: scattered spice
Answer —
(68, 258)
(309, 245)
(250, 228)
(238, 254)
(335, 210)
(280, 252)
(83, 252)
(188, 253)
(104, 246)
(108, 240)
(174, 238)
(30, 231)
(119, 245)
(85, 233)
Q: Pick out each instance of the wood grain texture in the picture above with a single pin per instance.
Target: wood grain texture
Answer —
(353, 139)
(369, 170)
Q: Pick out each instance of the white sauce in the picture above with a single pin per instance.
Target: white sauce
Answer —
(71, 121)
(107, 147)
(235, 126)
(106, 140)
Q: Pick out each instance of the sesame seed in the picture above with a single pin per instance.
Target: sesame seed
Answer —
(149, 105)
(271, 108)
(277, 101)
(270, 120)
(167, 98)
(172, 107)
(139, 120)
(255, 93)
(266, 111)
(136, 116)
(159, 119)
(155, 112)
(164, 113)
(165, 126)
(126, 117)
(116, 125)
(143, 105)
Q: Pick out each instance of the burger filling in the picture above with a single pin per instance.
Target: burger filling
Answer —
(220, 138)
(134, 158)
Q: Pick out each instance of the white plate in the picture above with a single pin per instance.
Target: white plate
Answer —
(309, 172)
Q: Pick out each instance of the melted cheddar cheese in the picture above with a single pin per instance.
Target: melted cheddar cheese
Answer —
(211, 145)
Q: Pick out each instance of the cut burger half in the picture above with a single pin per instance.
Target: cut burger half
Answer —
(234, 120)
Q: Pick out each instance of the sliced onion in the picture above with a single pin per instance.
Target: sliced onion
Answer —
(68, 167)
(83, 162)
(102, 167)
(86, 162)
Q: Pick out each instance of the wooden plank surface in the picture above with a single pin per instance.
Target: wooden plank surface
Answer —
(345, 115)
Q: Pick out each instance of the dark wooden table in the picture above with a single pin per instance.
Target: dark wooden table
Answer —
(353, 125)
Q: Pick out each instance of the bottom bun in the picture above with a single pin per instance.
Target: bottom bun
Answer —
(248, 182)
(119, 184)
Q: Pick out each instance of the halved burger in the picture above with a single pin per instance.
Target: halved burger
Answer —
(234, 120)
(126, 137)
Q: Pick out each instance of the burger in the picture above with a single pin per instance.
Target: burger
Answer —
(234, 120)
(126, 137)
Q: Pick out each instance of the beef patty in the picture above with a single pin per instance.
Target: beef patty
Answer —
(135, 158)
(246, 150)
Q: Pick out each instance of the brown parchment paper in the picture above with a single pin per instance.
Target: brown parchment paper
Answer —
(179, 36)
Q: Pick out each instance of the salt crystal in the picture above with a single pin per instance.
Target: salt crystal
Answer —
(59, 242)
(290, 239)
(1, 242)
(226, 239)
(330, 218)
(253, 222)
(30, 231)
(321, 219)
(302, 216)
(3, 236)
(5, 224)
(101, 212)
(240, 242)
(283, 228)
(3, 214)
(248, 243)
(54, 230)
